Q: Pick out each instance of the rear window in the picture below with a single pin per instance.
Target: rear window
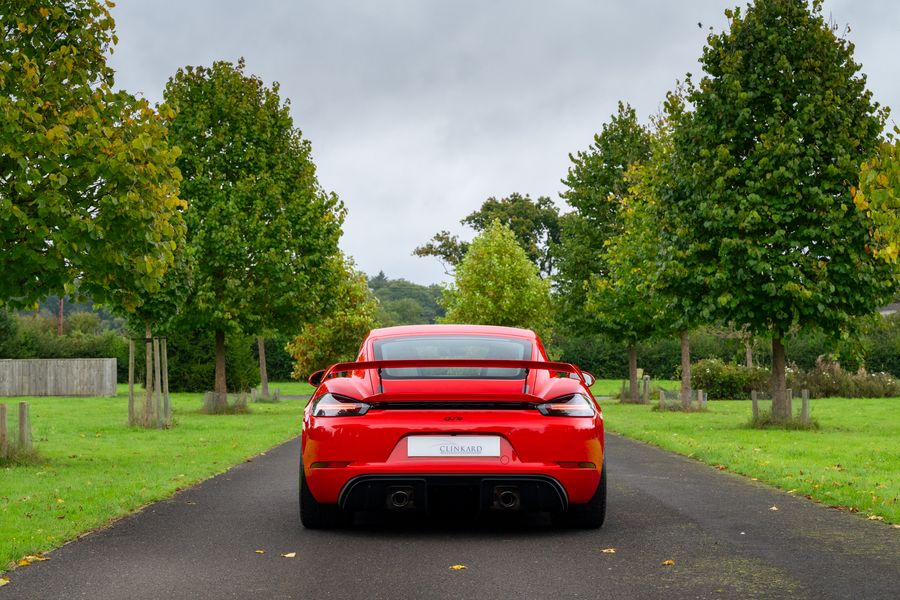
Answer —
(452, 346)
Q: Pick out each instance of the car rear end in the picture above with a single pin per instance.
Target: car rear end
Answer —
(451, 438)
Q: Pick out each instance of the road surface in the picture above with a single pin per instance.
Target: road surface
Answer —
(719, 529)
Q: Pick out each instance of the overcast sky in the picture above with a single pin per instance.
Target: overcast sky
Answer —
(419, 110)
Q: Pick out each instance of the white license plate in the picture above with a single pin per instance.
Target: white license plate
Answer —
(453, 445)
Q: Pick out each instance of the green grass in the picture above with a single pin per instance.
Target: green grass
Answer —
(852, 461)
(95, 468)
(610, 387)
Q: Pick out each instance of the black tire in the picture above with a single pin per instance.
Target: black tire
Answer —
(313, 514)
(586, 516)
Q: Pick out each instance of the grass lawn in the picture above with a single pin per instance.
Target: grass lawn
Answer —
(852, 461)
(98, 469)
(609, 387)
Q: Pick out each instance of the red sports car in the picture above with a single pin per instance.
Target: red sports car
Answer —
(443, 417)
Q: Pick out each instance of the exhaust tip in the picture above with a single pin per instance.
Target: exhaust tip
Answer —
(400, 499)
(508, 499)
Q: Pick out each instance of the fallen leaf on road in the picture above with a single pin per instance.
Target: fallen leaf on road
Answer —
(290, 555)
(4, 581)
(774, 508)
(875, 518)
(895, 526)
(608, 551)
(23, 563)
(668, 563)
(260, 551)
(457, 567)
(36, 558)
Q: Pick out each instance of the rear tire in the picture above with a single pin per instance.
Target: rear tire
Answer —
(586, 516)
(315, 515)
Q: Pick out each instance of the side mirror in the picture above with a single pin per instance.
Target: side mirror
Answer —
(316, 378)
(588, 378)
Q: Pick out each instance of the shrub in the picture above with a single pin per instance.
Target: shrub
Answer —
(727, 381)
(192, 362)
(828, 379)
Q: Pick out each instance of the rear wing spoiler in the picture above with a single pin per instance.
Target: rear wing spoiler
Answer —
(377, 365)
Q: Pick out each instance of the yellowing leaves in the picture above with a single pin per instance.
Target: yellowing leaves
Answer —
(608, 551)
(458, 567)
(289, 555)
(773, 508)
(4, 581)
(260, 551)
(668, 563)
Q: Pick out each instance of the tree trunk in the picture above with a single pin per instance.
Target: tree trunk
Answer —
(748, 352)
(220, 395)
(685, 369)
(781, 403)
(148, 376)
(263, 374)
(632, 373)
(59, 317)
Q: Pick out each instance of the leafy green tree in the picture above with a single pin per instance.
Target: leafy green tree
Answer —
(447, 248)
(535, 223)
(595, 187)
(262, 232)
(88, 183)
(496, 284)
(336, 338)
(878, 196)
(766, 234)
(624, 303)
(403, 302)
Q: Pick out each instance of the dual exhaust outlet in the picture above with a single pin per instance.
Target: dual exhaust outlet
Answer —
(505, 498)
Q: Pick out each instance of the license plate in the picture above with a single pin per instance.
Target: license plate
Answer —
(453, 445)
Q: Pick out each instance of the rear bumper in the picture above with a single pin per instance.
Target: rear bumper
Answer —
(331, 485)
(425, 492)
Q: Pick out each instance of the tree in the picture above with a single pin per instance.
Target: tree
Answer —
(535, 224)
(624, 303)
(336, 338)
(768, 237)
(403, 302)
(595, 187)
(496, 284)
(263, 232)
(88, 183)
(878, 196)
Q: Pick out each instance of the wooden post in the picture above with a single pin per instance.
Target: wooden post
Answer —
(804, 409)
(701, 398)
(253, 394)
(622, 395)
(157, 385)
(790, 402)
(24, 427)
(148, 377)
(4, 435)
(662, 399)
(755, 405)
(277, 394)
(167, 403)
(130, 382)
(645, 397)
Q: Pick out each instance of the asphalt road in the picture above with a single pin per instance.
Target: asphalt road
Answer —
(717, 528)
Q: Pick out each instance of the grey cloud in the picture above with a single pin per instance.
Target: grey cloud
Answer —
(419, 110)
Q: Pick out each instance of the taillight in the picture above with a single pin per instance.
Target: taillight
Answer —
(329, 405)
(575, 405)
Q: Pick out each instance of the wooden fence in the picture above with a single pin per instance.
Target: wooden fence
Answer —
(58, 377)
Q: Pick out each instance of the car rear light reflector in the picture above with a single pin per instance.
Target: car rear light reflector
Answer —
(332, 464)
(574, 405)
(329, 405)
(577, 465)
